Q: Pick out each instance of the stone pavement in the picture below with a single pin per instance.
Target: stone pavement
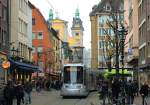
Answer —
(46, 97)
(138, 100)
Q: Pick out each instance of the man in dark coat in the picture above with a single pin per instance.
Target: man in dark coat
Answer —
(115, 90)
(130, 91)
(144, 93)
(9, 93)
(104, 91)
(19, 93)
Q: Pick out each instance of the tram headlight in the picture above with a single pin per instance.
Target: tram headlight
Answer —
(66, 86)
(82, 86)
(79, 86)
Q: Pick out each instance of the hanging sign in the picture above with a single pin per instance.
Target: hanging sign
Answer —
(5, 64)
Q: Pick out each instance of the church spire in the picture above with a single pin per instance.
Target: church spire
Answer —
(51, 14)
(77, 14)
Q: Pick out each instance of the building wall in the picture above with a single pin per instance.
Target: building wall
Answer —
(94, 47)
(61, 27)
(20, 23)
(4, 40)
(43, 47)
(4, 34)
(132, 39)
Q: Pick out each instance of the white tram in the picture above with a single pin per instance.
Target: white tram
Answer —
(73, 76)
(78, 81)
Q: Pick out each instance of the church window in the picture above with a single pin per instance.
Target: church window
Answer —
(77, 34)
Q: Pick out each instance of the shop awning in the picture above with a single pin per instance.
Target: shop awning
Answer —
(23, 66)
(125, 72)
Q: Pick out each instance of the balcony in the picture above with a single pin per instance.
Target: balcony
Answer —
(131, 59)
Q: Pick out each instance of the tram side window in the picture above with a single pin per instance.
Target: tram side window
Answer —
(80, 74)
(67, 75)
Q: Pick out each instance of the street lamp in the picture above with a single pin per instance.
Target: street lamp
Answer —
(122, 33)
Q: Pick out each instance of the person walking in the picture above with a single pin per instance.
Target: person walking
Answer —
(19, 93)
(130, 91)
(104, 91)
(9, 93)
(115, 90)
(28, 90)
(144, 93)
(38, 86)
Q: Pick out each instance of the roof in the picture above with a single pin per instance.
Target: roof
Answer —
(115, 5)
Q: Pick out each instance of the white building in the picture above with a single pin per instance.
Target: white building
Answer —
(21, 27)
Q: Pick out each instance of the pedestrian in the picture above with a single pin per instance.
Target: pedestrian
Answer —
(136, 86)
(115, 90)
(144, 93)
(28, 90)
(104, 91)
(38, 86)
(130, 91)
(19, 93)
(9, 93)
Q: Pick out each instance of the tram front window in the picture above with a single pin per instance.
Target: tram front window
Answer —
(73, 74)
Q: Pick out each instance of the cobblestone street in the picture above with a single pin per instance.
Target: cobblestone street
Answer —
(53, 98)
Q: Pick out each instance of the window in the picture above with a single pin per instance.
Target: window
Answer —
(24, 28)
(148, 49)
(0, 9)
(3, 37)
(101, 58)
(39, 49)
(108, 8)
(71, 73)
(33, 49)
(100, 31)
(57, 31)
(40, 64)
(23, 6)
(142, 55)
(4, 13)
(100, 44)
(20, 4)
(77, 34)
(131, 42)
(40, 35)
(0, 36)
(20, 25)
(33, 36)
(33, 21)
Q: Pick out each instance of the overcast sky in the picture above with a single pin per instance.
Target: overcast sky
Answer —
(66, 11)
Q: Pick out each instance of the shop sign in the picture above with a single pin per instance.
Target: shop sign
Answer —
(5, 64)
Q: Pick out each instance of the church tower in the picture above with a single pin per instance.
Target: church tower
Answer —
(77, 35)
(77, 29)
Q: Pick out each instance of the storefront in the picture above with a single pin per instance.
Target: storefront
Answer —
(20, 71)
(2, 73)
(3, 57)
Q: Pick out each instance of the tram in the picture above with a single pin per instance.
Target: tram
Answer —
(73, 78)
(77, 80)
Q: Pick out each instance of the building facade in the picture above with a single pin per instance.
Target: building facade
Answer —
(42, 40)
(132, 39)
(102, 34)
(61, 27)
(4, 40)
(57, 64)
(21, 40)
(144, 39)
(76, 39)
